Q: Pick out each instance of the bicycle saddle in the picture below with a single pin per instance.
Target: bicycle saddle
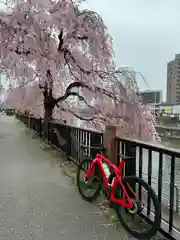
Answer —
(123, 157)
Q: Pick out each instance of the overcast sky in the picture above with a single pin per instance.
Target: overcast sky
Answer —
(146, 34)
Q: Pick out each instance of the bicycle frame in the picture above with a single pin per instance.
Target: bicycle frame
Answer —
(118, 179)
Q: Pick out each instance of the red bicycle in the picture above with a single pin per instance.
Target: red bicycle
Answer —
(122, 192)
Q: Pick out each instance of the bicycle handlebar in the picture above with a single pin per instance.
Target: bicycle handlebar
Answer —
(99, 147)
(103, 149)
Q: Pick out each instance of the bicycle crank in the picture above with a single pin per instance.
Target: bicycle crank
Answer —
(137, 207)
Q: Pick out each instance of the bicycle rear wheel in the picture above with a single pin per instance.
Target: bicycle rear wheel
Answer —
(142, 215)
(91, 189)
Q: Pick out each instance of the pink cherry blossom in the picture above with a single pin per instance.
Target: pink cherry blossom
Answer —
(46, 46)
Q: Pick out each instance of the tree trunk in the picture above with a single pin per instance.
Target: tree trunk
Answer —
(49, 103)
(48, 111)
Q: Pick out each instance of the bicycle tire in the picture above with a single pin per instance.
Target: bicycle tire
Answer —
(157, 207)
(98, 190)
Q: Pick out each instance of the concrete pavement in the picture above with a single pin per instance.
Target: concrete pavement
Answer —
(37, 201)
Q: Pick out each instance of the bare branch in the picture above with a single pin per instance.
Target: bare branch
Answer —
(81, 38)
(61, 41)
(67, 54)
(27, 52)
(68, 90)
(76, 115)
(97, 118)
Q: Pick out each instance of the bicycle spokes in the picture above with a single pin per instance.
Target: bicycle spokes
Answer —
(90, 185)
(134, 216)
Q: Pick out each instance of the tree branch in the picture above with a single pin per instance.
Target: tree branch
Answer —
(68, 53)
(23, 52)
(61, 40)
(40, 86)
(99, 118)
(76, 115)
(81, 38)
(81, 98)
(100, 74)
(69, 93)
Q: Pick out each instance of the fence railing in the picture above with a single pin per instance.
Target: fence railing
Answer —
(157, 164)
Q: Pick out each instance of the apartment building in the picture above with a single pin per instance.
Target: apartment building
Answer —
(151, 97)
(173, 81)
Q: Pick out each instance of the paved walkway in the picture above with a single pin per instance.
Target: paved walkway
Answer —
(37, 201)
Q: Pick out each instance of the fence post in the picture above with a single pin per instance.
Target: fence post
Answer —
(177, 198)
(127, 149)
(29, 121)
(48, 131)
(109, 142)
(130, 151)
(69, 141)
(95, 141)
(40, 127)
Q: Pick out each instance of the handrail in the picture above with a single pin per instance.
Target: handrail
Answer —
(153, 146)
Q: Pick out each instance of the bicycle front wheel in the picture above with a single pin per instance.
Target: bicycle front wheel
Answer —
(91, 189)
(143, 220)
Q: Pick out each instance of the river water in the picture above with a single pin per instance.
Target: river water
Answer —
(166, 174)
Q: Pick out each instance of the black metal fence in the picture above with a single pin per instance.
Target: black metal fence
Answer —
(66, 138)
(158, 165)
(9, 112)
